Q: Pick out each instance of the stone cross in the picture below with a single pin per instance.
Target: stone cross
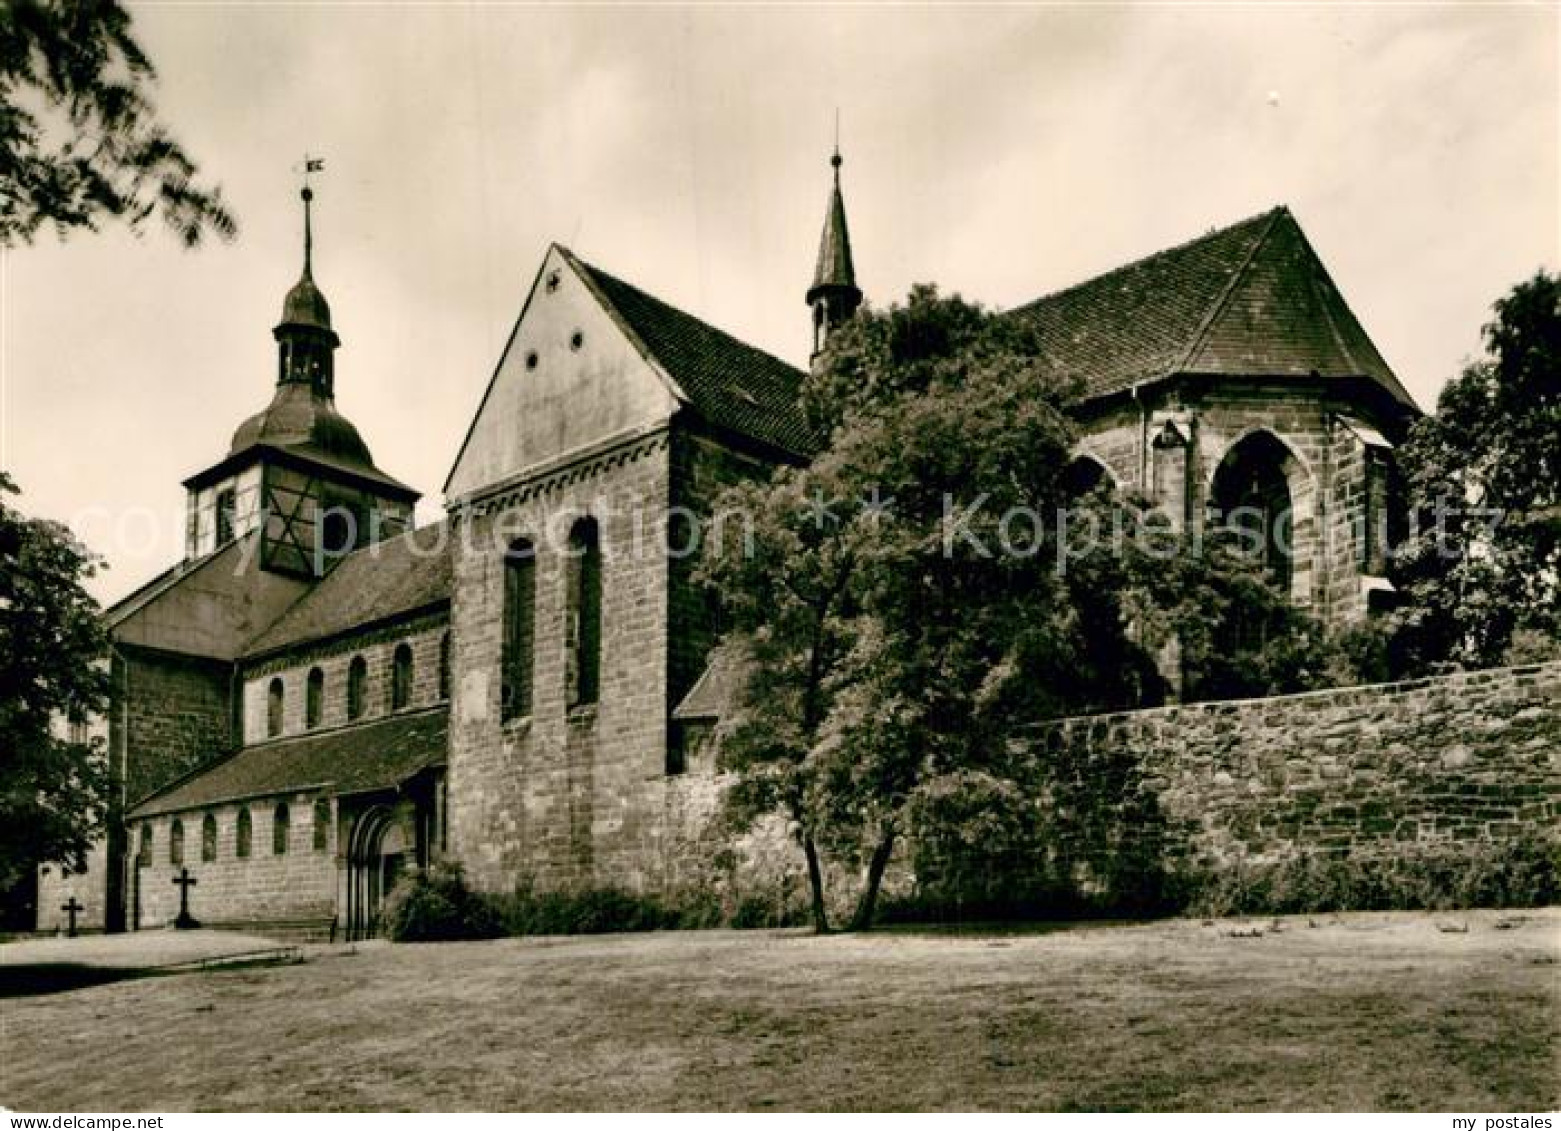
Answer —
(72, 909)
(185, 881)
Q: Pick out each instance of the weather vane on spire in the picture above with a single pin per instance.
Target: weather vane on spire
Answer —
(305, 167)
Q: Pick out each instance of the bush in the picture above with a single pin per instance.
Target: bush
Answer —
(587, 911)
(435, 905)
(1524, 872)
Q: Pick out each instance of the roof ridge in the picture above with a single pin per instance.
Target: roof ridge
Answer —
(1222, 300)
(1326, 305)
(711, 326)
(1143, 259)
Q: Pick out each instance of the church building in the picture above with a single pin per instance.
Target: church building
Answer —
(320, 696)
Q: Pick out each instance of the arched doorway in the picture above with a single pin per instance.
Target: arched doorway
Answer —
(380, 851)
(1251, 496)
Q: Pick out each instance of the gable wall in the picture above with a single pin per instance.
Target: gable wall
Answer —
(572, 398)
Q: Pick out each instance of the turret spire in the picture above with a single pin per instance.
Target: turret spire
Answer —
(834, 295)
(305, 339)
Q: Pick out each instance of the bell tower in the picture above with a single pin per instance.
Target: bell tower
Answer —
(834, 296)
(298, 472)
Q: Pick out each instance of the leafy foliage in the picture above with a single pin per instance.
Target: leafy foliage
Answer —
(1482, 565)
(53, 654)
(79, 141)
(1524, 872)
(435, 905)
(931, 581)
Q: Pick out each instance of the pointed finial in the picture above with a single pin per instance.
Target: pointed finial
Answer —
(836, 159)
(307, 166)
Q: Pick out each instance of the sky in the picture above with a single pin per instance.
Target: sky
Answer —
(1000, 152)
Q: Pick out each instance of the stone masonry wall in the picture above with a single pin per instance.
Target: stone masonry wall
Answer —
(563, 797)
(422, 634)
(177, 715)
(1326, 482)
(1379, 771)
(295, 890)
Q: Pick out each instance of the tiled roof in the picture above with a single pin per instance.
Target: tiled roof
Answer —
(356, 759)
(397, 575)
(834, 268)
(712, 694)
(1249, 300)
(731, 384)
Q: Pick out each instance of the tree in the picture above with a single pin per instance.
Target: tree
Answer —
(52, 671)
(898, 601)
(79, 141)
(931, 582)
(1482, 564)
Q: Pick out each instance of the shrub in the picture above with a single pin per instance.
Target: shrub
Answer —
(1524, 872)
(435, 905)
(586, 911)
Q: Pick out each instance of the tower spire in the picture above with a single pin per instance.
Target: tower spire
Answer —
(834, 295)
(308, 198)
(305, 339)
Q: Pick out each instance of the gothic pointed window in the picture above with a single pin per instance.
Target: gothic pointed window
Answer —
(176, 843)
(281, 821)
(314, 706)
(401, 677)
(275, 700)
(357, 678)
(243, 834)
(208, 838)
(1251, 499)
(583, 615)
(520, 598)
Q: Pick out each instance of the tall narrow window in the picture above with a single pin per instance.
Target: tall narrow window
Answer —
(444, 666)
(520, 598)
(226, 506)
(281, 819)
(176, 843)
(357, 676)
(275, 697)
(144, 857)
(208, 838)
(583, 614)
(401, 677)
(314, 705)
(322, 824)
(243, 834)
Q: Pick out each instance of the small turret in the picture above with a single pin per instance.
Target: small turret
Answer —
(834, 295)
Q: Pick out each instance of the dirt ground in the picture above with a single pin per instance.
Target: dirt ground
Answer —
(1457, 1011)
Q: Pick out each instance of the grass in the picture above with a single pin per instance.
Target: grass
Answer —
(1381, 1011)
